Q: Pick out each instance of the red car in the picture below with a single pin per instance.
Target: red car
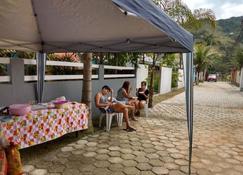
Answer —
(212, 77)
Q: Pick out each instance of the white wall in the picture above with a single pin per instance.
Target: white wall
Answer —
(181, 78)
(142, 74)
(165, 80)
(237, 79)
(241, 79)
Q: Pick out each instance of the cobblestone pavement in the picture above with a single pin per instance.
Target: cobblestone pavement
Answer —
(160, 144)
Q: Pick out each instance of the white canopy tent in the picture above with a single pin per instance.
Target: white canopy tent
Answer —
(47, 26)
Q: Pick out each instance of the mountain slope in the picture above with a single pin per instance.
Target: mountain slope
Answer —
(231, 27)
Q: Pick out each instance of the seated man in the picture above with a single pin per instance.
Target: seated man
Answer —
(142, 95)
(104, 103)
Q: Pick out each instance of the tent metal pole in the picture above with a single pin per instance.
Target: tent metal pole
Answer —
(188, 72)
(41, 65)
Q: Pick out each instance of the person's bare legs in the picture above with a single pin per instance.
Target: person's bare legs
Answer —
(125, 115)
(124, 109)
(142, 104)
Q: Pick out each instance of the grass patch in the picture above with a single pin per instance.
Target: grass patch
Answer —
(159, 98)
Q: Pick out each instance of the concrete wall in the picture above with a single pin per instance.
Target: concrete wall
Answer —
(19, 91)
(240, 77)
(142, 74)
(165, 80)
(181, 78)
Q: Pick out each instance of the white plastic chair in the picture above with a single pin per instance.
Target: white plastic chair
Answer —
(144, 111)
(109, 117)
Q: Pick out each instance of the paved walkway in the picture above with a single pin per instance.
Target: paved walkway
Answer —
(160, 144)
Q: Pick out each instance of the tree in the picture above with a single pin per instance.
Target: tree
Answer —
(172, 61)
(238, 58)
(87, 82)
(202, 58)
(156, 58)
(191, 21)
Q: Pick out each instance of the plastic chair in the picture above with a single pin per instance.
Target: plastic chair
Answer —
(109, 116)
(144, 111)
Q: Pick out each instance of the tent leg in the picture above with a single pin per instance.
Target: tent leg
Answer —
(41, 64)
(188, 73)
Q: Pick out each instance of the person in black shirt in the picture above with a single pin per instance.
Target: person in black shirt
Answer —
(142, 94)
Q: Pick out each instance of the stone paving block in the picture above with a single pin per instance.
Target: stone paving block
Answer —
(116, 167)
(82, 142)
(129, 163)
(77, 152)
(144, 166)
(176, 172)
(91, 149)
(56, 168)
(238, 168)
(118, 173)
(28, 168)
(73, 164)
(115, 159)
(90, 154)
(127, 156)
(171, 166)
(114, 154)
(67, 149)
(71, 171)
(155, 162)
(102, 157)
(152, 156)
(38, 172)
(126, 151)
(141, 159)
(139, 153)
(147, 173)
(114, 148)
(181, 162)
(160, 170)
(86, 168)
(102, 164)
(102, 171)
(131, 171)
(43, 165)
(102, 151)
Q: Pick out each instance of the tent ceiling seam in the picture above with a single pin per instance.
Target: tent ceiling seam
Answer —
(23, 45)
(38, 26)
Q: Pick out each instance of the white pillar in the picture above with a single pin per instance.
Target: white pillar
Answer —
(141, 74)
(165, 80)
(241, 79)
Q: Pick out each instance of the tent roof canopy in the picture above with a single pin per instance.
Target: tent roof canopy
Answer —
(90, 26)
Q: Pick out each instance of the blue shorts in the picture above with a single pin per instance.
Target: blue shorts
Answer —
(109, 110)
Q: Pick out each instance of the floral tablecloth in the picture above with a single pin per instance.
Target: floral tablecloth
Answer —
(44, 125)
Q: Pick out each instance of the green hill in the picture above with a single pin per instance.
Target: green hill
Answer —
(231, 27)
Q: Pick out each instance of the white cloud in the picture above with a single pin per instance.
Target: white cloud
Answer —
(222, 9)
(230, 10)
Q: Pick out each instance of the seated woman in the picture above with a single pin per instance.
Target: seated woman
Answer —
(104, 103)
(123, 94)
(142, 95)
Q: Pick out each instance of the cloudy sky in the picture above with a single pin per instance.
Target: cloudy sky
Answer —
(222, 8)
